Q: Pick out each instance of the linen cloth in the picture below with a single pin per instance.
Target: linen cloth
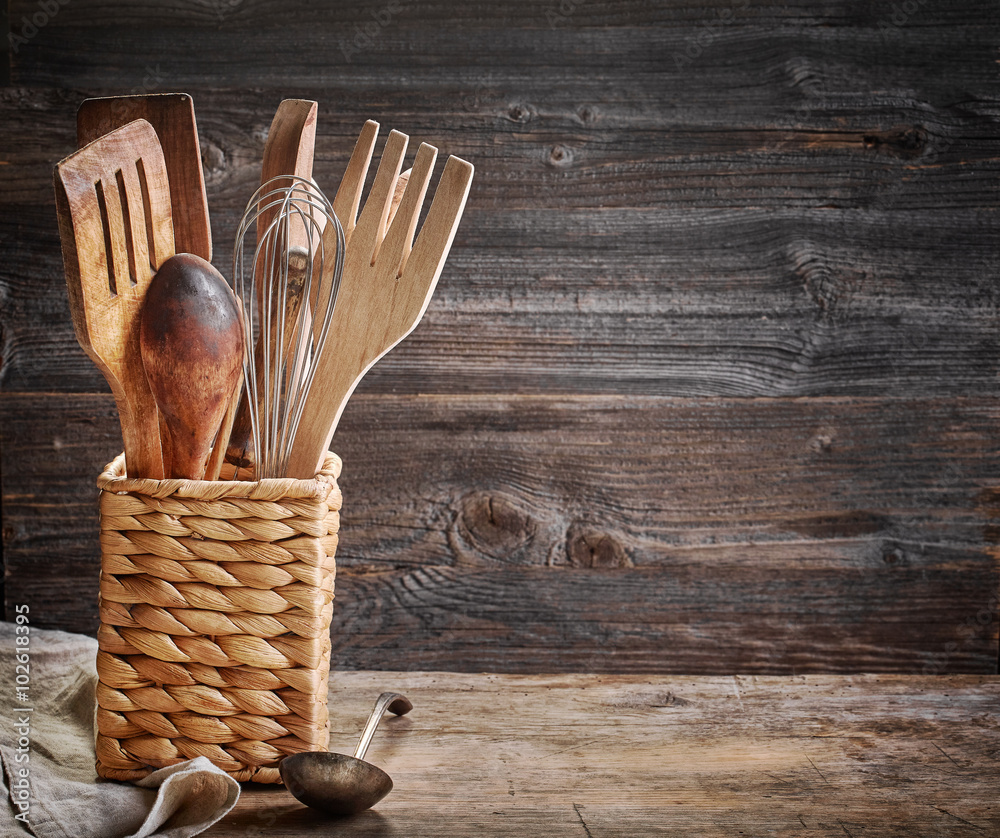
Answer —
(47, 749)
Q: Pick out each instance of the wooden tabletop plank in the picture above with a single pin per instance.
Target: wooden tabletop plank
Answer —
(588, 755)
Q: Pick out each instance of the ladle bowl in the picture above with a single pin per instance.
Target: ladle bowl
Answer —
(339, 784)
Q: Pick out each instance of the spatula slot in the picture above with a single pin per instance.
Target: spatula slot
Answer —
(127, 221)
(109, 259)
(147, 213)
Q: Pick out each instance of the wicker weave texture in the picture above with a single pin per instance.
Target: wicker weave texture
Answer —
(216, 602)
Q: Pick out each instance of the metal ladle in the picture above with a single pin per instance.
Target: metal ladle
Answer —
(339, 784)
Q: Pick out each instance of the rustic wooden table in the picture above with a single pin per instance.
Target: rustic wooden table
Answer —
(600, 755)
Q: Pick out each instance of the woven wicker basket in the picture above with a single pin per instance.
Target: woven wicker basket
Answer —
(216, 601)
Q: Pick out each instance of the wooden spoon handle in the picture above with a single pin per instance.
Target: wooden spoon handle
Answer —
(215, 460)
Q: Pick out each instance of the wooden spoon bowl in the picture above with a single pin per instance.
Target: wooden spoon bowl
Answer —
(191, 337)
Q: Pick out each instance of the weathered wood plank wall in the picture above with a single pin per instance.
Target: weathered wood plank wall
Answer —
(710, 382)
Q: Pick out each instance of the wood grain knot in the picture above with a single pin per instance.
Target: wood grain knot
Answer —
(802, 75)
(905, 141)
(520, 113)
(560, 156)
(894, 556)
(829, 289)
(590, 548)
(822, 442)
(213, 158)
(496, 526)
(588, 114)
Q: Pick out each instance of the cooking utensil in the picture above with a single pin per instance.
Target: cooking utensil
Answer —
(288, 154)
(289, 150)
(337, 783)
(218, 455)
(397, 194)
(386, 285)
(240, 446)
(191, 338)
(288, 297)
(113, 205)
(172, 117)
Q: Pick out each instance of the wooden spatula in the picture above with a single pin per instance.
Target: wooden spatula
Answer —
(113, 204)
(172, 117)
(289, 150)
(386, 286)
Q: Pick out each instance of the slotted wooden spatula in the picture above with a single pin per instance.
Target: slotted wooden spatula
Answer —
(172, 117)
(386, 286)
(113, 204)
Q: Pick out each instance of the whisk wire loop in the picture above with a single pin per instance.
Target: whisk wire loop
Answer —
(288, 288)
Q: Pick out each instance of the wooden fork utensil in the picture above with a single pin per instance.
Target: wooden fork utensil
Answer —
(388, 279)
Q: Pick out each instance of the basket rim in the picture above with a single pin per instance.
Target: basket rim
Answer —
(113, 480)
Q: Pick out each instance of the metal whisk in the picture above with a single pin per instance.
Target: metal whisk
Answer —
(288, 289)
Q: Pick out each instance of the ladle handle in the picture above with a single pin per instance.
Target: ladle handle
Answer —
(394, 702)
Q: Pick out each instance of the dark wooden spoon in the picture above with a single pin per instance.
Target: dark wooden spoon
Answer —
(191, 339)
